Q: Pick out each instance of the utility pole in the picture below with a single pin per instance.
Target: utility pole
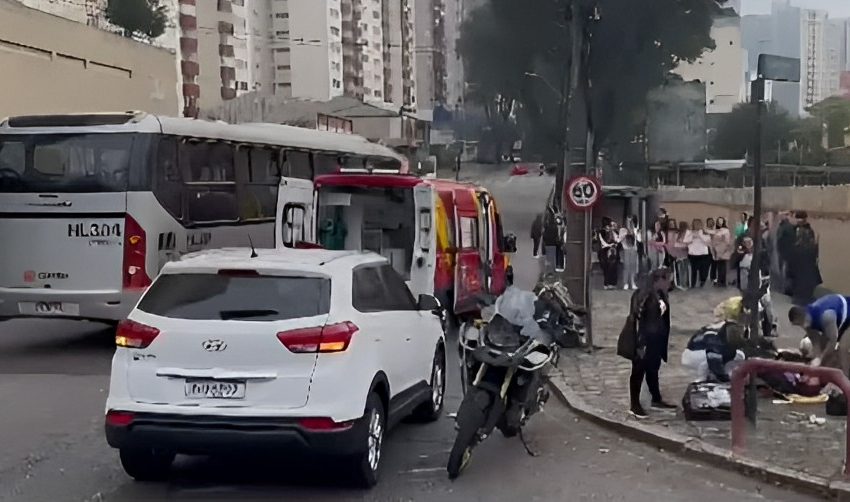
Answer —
(579, 224)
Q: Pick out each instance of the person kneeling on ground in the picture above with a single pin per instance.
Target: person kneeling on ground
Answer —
(825, 322)
(711, 350)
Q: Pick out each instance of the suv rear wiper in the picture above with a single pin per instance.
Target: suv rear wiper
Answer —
(226, 315)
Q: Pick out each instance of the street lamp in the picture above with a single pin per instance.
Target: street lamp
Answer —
(549, 85)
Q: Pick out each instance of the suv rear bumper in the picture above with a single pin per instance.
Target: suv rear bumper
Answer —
(93, 305)
(201, 435)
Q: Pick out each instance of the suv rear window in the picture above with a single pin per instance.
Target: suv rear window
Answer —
(246, 298)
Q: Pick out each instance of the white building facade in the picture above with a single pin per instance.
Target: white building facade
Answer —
(722, 70)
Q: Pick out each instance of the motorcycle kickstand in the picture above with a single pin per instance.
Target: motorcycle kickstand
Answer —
(528, 449)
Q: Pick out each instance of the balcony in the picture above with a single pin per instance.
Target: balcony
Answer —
(228, 93)
(188, 45)
(191, 90)
(188, 22)
(225, 50)
(189, 68)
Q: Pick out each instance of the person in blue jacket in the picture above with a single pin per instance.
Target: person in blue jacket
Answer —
(825, 321)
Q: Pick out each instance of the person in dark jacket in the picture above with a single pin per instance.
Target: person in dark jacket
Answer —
(784, 248)
(551, 240)
(651, 306)
(537, 235)
(805, 272)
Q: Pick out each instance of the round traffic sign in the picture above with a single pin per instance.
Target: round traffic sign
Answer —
(583, 192)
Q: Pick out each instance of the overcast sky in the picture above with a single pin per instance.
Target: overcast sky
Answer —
(836, 8)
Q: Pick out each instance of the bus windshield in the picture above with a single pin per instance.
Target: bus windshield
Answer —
(65, 162)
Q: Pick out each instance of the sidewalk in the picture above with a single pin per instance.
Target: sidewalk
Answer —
(784, 441)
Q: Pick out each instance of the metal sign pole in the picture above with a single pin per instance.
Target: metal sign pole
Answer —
(588, 323)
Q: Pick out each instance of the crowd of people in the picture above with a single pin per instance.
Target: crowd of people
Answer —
(708, 251)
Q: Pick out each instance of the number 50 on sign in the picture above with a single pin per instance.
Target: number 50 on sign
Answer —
(583, 192)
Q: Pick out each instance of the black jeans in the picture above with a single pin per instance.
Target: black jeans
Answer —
(722, 271)
(610, 270)
(646, 367)
(700, 265)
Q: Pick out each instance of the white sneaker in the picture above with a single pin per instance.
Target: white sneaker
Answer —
(634, 286)
(625, 287)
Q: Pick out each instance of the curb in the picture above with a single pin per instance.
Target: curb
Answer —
(694, 448)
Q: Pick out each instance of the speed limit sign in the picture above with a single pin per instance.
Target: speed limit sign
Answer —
(583, 192)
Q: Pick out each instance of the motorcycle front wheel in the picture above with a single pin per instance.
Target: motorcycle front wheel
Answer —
(470, 418)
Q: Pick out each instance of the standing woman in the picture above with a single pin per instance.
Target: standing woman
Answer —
(629, 242)
(698, 253)
(651, 308)
(607, 254)
(656, 241)
(678, 248)
(721, 243)
(712, 267)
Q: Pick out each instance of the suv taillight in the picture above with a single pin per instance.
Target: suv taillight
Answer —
(134, 335)
(135, 251)
(328, 338)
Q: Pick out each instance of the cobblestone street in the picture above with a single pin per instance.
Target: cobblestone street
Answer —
(784, 437)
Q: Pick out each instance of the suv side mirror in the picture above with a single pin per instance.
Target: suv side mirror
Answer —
(509, 243)
(428, 302)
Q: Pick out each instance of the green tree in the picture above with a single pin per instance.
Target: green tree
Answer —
(141, 18)
(633, 47)
(736, 131)
(834, 113)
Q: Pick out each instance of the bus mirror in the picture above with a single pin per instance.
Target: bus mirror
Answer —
(509, 244)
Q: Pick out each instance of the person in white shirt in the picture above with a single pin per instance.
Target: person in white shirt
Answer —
(630, 240)
(699, 253)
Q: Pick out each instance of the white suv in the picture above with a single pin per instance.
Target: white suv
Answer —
(297, 349)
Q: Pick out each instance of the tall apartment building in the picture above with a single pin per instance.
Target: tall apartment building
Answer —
(363, 49)
(399, 53)
(722, 70)
(431, 69)
(306, 46)
(819, 42)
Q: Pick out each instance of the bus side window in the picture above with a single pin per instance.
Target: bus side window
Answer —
(297, 165)
(211, 189)
(168, 184)
(258, 192)
(325, 163)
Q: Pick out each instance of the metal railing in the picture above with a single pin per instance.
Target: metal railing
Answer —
(741, 374)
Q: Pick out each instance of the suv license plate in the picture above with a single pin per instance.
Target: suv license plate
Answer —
(211, 389)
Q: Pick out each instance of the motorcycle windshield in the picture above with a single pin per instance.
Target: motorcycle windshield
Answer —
(517, 307)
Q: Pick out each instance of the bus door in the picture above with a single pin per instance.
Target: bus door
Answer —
(468, 267)
(424, 264)
(295, 213)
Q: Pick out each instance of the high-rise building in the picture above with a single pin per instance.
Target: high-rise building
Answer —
(778, 33)
(431, 68)
(722, 70)
(399, 40)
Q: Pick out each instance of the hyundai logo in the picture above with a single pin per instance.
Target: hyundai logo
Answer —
(214, 345)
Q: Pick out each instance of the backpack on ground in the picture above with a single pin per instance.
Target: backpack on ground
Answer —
(707, 401)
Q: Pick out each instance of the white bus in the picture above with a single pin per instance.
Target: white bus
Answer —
(93, 205)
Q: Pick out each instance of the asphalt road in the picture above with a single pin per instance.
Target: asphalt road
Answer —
(54, 380)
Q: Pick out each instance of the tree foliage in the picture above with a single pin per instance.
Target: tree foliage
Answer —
(142, 18)
(736, 131)
(633, 44)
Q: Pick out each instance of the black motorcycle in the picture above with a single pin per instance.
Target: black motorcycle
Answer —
(504, 375)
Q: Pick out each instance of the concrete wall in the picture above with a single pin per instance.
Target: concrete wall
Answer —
(54, 65)
(828, 208)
